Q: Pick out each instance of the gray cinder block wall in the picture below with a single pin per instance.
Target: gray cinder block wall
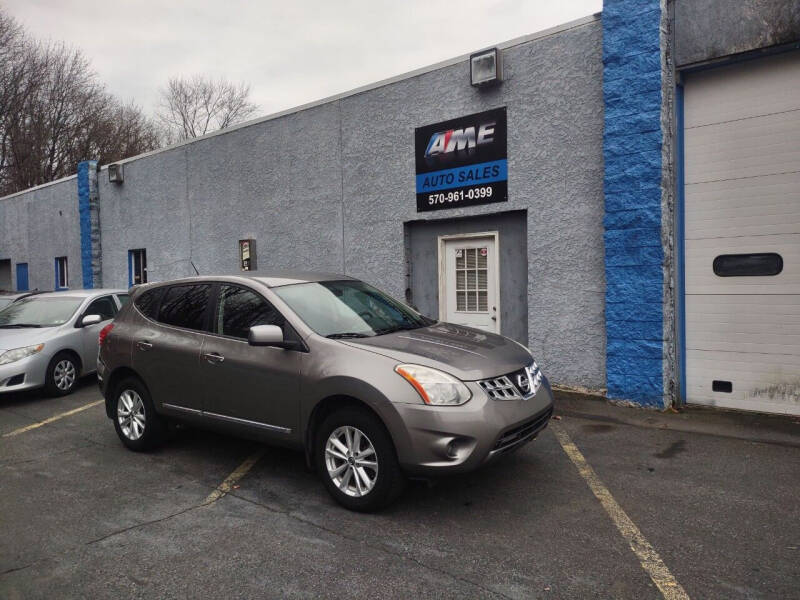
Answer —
(38, 225)
(331, 186)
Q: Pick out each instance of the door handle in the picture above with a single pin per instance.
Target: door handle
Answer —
(213, 357)
(144, 345)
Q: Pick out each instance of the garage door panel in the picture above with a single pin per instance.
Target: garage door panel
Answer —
(720, 95)
(747, 148)
(756, 379)
(787, 305)
(701, 279)
(744, 342)
(767, 204)
(705, 326)
(742, 196)
(746, 222)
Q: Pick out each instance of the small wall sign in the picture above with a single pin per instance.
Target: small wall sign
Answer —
(247, 255)
(462, 162)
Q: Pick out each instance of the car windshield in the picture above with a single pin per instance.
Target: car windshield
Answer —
(349, 309)
(39, 312)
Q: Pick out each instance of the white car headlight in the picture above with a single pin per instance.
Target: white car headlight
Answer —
(433, 386)
(16, 354)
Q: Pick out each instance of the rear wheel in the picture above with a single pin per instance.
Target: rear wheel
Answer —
(356, 460)
(62, 374)
(135, 420)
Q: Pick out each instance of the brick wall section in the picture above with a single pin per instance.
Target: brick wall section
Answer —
(632, 151)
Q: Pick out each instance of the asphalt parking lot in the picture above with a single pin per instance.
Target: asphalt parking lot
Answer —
(714, 500)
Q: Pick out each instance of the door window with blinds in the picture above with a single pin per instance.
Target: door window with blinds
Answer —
(471, 273)
(468, 276)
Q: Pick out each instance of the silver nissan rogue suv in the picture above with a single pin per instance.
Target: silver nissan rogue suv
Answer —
(371, 390)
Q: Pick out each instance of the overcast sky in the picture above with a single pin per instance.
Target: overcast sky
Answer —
(291, 51)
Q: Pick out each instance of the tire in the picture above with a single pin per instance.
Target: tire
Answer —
(384, 482)
(138, 425)
(62, 374)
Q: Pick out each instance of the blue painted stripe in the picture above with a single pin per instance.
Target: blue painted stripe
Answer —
(85, 222)
(634, 255)
(680, 239)
(130, 269)
(481, 173)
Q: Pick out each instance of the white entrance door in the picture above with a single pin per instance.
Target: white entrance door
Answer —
(742, 216)
(468, 276)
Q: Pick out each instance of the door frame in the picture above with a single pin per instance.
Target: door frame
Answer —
(443, 239)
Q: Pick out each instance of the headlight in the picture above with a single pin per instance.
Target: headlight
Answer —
(435, 387)
(16, 354)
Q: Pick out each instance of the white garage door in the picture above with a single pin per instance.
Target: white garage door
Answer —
(742, 225)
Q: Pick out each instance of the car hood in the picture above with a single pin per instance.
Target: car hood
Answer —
(467, 353)
(18, 338)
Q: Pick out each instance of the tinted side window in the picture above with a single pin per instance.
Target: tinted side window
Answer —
(748, 265)
(104, 307)
(147, 302)
(185, 306)
(240, 309)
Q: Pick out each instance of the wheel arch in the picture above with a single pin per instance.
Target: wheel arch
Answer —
(327, 406)
(74, 354)
(116, 376)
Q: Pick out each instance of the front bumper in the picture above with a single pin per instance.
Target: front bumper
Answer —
(24, 374)
(450, 439)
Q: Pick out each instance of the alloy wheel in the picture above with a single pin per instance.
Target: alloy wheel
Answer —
(351, 461)
(64, 375)
(130, 414)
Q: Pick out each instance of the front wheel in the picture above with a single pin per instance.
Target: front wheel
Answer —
(356, 460)
(138, 425)
(62, 374)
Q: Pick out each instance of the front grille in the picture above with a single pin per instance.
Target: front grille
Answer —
(519, 385)
(516, 436)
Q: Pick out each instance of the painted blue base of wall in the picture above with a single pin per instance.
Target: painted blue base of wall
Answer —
(634, 255)
(85, 221)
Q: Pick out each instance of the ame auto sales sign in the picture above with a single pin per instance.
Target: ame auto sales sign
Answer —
(462, 162)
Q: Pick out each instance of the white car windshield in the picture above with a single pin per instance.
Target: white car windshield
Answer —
(349, 309)
(39, 312)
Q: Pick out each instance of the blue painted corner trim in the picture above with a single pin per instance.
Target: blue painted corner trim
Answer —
(680, 239)
(634, 254)
(85, 221)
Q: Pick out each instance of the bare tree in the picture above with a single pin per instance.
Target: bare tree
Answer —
(54, 113)
(191, 107)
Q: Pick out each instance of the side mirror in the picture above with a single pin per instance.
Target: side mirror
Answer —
(266, 335)
(91, 320)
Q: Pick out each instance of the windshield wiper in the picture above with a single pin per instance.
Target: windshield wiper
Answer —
(19, 325)
(346, 335)
(396, 329)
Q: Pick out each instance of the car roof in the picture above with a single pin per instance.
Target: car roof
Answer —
(270, 279)
(81, 293)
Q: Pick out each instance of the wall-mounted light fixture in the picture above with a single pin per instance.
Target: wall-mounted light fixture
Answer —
(486, 68)
(115, 173)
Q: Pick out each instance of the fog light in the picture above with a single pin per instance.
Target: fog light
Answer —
(452, 449)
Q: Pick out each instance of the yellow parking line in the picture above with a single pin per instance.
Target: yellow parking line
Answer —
(225, 487)
(650, 560)
(51, 419)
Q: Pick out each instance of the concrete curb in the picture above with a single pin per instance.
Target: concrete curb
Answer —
(782, 430)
